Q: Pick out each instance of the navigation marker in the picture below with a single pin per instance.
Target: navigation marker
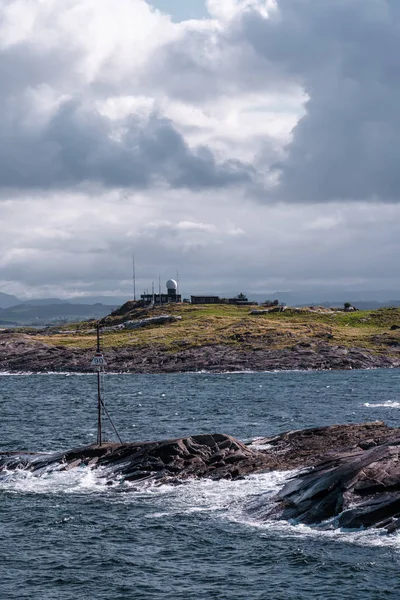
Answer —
(98, 360)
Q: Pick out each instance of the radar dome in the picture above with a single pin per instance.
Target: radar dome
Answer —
(171, 284)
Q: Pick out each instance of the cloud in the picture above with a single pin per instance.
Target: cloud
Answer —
(341, 54)
(344, 54)
(79, 145)
(62, 244)
(253, 150)
(338, 58)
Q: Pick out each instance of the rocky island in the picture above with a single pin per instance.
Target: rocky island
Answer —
(212, 338)
(351, 477)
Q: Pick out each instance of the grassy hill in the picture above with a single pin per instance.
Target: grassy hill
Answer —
(207, 325)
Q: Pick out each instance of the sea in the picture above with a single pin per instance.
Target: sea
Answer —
(68, 535)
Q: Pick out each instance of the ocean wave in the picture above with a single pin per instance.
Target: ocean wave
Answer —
(387, 404)
(59, 373)
(221, 500)
(54, 481)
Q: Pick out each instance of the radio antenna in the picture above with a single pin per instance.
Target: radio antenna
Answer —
(134, 276)
(99, 362)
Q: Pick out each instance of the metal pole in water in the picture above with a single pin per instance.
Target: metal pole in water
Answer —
(99, 402)
(99, 432)
(99, 363)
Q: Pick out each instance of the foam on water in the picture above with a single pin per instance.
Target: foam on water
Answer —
(387, 404)
(229, 500)
(221, 500)
(54, 481)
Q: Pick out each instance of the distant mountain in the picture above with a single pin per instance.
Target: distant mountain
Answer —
(109, 300)
(33, 314)
(332, 296)
(7, 300)
(362, 304)
(45, 301)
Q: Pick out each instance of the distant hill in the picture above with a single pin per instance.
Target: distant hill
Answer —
(335, 297)
(46, 301)
(37, 314)
(7, 300)
(362, 304)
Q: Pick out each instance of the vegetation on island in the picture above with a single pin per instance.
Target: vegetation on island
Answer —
(378, 331)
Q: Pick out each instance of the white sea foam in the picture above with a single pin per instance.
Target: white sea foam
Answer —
(53, 481)
(256, 444)
(222, 500)
(387, 404)
(229, 500)
(16, 374)
(57, 373)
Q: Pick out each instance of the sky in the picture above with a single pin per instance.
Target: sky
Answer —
(250, 145)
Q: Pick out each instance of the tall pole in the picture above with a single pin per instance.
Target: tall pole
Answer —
(99, 362)
(99, 403)
(134, 276)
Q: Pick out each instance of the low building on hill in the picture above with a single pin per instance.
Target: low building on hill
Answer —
(237, 302)
(240, 300)
(205, 299)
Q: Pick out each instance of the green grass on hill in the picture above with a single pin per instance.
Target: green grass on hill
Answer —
(223, 324)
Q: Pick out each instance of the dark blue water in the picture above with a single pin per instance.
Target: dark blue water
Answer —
(67, 535)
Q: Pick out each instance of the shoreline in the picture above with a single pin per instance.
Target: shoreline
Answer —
(21, 373)
(23, 354)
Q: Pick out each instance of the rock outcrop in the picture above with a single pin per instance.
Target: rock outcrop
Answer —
(216, 456)
(352, 476)
(353, 482)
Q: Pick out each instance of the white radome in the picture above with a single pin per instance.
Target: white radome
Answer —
(171, 284)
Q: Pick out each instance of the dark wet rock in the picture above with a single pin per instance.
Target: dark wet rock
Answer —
(308, 447)
(351, 477)
(194, 456)
(354, 479)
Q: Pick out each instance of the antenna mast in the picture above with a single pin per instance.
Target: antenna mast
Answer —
(99, 362)
(99, 402)
(134, 276)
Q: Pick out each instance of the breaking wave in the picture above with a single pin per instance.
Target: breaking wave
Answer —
(387, 404)
(219, 500)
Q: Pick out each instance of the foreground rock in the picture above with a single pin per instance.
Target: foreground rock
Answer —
(216, 456)
(21, 353)
(352, 476)
(355, 481)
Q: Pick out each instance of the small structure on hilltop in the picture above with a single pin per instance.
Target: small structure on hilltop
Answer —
(205, 299)
(241, 300)
(171, 295)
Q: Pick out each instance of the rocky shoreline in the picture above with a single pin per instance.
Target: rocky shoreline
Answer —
(23, 353)
(351, 477)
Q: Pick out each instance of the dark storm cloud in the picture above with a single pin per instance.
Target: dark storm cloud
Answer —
(342, 53)
(79, 145)
(345, 55)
